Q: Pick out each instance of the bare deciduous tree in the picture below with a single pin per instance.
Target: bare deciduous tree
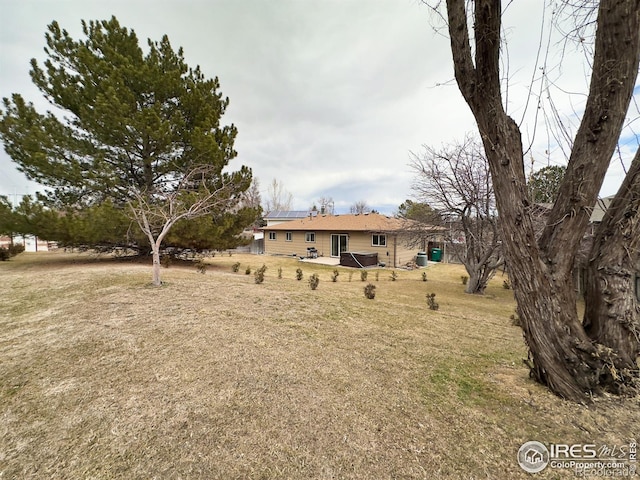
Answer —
(251, 198)
(196, 194)
(456, 181)
(326, 205)
(564, 355)
(277, 197)
(359, 207)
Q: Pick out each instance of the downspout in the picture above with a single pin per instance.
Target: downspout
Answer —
(395, 251)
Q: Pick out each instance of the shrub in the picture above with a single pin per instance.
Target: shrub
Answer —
(299, 274)
(424, 276)
(235, 267)
(431, 301)
(248, 270)
(363, 275)
(259, 274)
(377, 276)
(314, 280)
(201, 267)
(16, 249)
(370, 291)
(464, 279)
(394, 276)
(165, 261)
(334, 275)
(506, 284)
(279, 272)
(4, 254)
(350, 275)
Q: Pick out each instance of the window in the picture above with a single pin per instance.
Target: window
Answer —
(288, 236)
(310, 237)
(272, 235)
(378, 240)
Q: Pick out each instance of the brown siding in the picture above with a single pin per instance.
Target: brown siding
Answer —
(394, 254)
(280, 246)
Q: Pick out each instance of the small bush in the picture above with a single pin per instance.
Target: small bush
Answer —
(424, 276)
(370, 291)
(259, 274)
(464, 279)
(299, 274)
(248, 270)
(431, 301)
(394, 276)
(279, 272)
(334, 275)
(16, 249)
(363, 275)
(314, 280)
(201, 267)
(235, 267)
(165, 261)
(506, 284)
(350, 275)
(377, 276)
(4, 254)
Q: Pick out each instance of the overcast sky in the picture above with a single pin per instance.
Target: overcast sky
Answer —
(329, 96)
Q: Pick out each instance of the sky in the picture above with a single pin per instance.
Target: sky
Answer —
(330, 97)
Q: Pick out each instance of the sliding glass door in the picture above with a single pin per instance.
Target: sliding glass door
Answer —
(339, 244)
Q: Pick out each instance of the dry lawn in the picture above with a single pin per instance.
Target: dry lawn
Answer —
(212, 376)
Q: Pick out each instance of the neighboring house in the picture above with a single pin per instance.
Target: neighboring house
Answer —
(279, 216)
(599, 210)
(332, 235)
(30, 242)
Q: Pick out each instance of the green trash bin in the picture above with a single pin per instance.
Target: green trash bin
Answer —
(436, 254)
(422, 259)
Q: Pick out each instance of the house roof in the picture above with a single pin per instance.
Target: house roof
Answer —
(367, 222)
(600, 208)
(287, 214)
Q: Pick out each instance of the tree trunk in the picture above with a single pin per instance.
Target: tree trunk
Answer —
(479, 276)
(612, 312)
(155, 247)
(474, 284)
(562, 355)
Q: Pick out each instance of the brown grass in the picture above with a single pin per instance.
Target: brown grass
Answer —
(213, 376)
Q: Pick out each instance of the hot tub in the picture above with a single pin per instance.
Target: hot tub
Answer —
(358, 259)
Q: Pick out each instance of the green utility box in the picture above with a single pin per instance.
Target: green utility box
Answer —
(436, 254)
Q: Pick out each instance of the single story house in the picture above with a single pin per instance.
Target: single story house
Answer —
(332, 235)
